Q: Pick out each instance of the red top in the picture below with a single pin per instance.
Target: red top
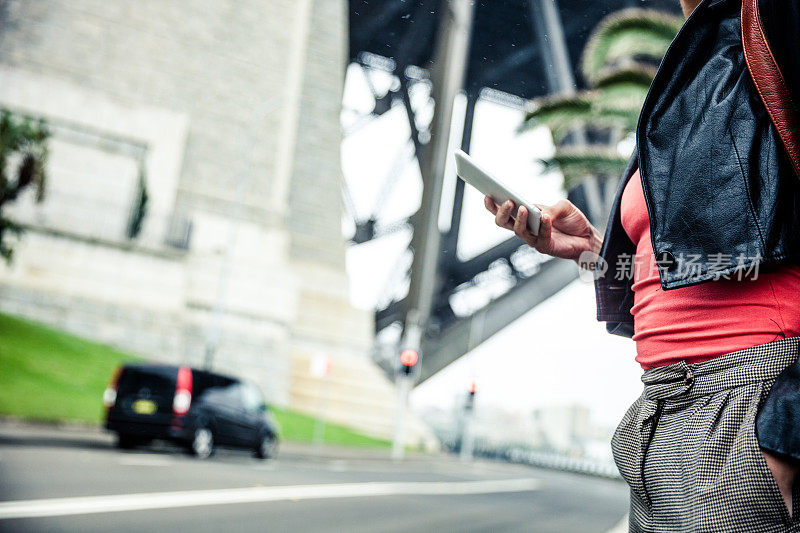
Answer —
(703, 321)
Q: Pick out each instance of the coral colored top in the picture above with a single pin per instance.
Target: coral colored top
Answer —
(700, 322)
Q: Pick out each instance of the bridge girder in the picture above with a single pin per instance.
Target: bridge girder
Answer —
(420, 54)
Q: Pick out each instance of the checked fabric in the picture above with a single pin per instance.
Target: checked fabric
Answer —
(689, 451)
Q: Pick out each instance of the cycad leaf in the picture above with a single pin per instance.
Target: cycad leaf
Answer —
(633, 32)
(575, 163)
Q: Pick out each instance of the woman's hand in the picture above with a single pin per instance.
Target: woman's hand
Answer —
(564, 231)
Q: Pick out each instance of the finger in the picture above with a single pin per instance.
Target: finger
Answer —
(490, 205)
(503, 216)
(543, 239)
(562, 208)
(521, 226)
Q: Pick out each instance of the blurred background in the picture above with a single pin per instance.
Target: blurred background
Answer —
(265, 189)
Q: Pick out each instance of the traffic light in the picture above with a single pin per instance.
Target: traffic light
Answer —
(409, 359)
(471, 396)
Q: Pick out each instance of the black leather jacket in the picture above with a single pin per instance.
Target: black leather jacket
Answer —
(720, 191)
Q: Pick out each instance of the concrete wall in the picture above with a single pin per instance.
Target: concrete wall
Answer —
(230, 110)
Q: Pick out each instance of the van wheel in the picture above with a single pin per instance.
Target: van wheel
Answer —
(202, 445)
(267, 446)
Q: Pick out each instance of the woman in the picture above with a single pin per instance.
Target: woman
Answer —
(708, 215)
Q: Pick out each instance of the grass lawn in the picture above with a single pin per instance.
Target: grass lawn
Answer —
(49, 375)
(300, 427)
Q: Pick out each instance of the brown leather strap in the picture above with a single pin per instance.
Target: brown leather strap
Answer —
(769, 81)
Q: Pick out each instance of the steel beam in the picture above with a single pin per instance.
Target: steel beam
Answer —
(467, 333)
(447, 77)
(450, 245)
(560, 79)
(463, 271)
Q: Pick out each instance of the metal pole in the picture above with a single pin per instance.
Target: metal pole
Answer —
(451, 238)
(467, 436)
(405, 382)
(467, 439)
(399, 443)
(562, 81)
(560, 77)
(447, 76)
(322, 403)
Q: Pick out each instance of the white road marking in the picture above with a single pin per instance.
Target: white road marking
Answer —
(194, 498)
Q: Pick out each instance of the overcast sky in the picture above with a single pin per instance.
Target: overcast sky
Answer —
(555, 354)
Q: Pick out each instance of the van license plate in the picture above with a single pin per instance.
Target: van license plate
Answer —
(144, 407)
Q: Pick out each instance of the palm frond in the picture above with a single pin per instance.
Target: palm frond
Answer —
(631, 72)
(619, 63)
(557, 111)
(575, 163)
(615, 106)
(633, 32)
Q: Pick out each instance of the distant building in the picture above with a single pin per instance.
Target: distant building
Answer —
(225, 115)
(559, 429)
(564, 428)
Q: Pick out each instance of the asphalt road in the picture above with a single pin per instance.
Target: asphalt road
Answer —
(52, 480)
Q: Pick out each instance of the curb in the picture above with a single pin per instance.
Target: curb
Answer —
(288, 449)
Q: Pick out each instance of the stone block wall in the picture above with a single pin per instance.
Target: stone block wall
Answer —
(230, 110)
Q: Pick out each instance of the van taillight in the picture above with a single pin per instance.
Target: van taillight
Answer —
(183, 391)
(110, 394)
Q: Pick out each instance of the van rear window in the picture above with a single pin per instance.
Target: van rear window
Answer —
(158, 381)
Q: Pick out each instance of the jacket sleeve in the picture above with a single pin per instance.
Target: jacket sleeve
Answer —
(781, 21)
(623, 329)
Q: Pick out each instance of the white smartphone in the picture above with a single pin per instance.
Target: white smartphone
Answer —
(469, 171)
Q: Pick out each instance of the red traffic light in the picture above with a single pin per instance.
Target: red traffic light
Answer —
(409, 358)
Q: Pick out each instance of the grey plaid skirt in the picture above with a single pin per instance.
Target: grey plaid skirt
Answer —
(688, 447)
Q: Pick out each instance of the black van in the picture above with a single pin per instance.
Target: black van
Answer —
(198, 409)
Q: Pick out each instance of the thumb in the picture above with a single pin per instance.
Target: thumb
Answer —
(543, 239)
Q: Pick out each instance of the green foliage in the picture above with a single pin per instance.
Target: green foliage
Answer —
(630, 35)
(139, 209)
(560, 113)
(299, 427)
(23, 155)
(619, 63)
(616, 105)
(575, 164)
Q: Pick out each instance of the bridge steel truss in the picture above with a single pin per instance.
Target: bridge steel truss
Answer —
(438, 37)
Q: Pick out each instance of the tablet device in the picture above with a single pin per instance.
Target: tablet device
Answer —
(469, 171)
